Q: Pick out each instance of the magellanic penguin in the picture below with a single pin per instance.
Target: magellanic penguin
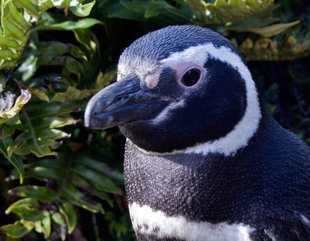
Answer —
(203, 160)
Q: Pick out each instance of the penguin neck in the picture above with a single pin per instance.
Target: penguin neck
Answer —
(228, 145)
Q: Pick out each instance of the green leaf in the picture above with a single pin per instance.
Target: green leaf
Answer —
(72, 94)
(59, 219)
(27, 213)
(39, 148)
(222, 11)
(44, 5)
(73, 195)
(100, 182)
(7, 53)
(31, 7)
(152, 11)
(60, 3)
(14, 160)
(18, 229)
(136, 5)
(15, 121)
(51, 53)
(116, 9)
(40, 110)
(13, 13)
(74, 66)
(56, 163)
(12, 31)
(46, 224)
(21, 203)
(7, 131)
(83, 36)
(43, 172)
(78, 53)
(17, 25)
(71, 25)
(70, 216)
(38, 125)
(101, 167)
(29, 64)
(7, 42)
(40, 94)
(104, 196)
(82, 10)
(81, 183)
(271, 30)
(42, 194)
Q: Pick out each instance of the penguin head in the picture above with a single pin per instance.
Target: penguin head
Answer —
(178, 88)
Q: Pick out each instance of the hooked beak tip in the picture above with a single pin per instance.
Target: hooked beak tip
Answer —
(88, 113)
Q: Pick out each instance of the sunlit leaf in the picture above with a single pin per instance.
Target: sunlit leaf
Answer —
(45, 5)
(41, 94)
(27, 212)
(82, 10)
(71, 25)
(271, 30)
(21, 203)
(223, 11)
(9, 107)
(17, 230)
(59, 219)
(31, 7)
(73, 94)
(70, 216)
(46, 224)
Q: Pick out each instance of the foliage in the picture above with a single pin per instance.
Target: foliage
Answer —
(16, 25)
(55, 54)
(67, 180)
(226, 17)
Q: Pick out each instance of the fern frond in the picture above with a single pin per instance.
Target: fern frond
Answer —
(17, 18)
(78, 181)
(222, 11)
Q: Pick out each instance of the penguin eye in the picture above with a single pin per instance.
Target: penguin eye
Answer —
(191, 77)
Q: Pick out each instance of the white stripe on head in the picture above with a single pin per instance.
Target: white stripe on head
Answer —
(248, 125)
(147, 221)
(167, 111)
(147, 70)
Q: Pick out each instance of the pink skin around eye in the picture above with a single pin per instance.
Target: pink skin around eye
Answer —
(183, 68)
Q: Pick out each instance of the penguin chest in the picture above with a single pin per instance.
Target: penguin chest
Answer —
(173, 199)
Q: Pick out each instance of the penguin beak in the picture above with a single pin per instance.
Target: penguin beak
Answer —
(120, 103)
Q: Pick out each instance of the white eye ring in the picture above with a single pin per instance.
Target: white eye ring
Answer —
(191, 76)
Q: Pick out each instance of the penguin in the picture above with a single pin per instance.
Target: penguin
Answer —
(203, 160)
